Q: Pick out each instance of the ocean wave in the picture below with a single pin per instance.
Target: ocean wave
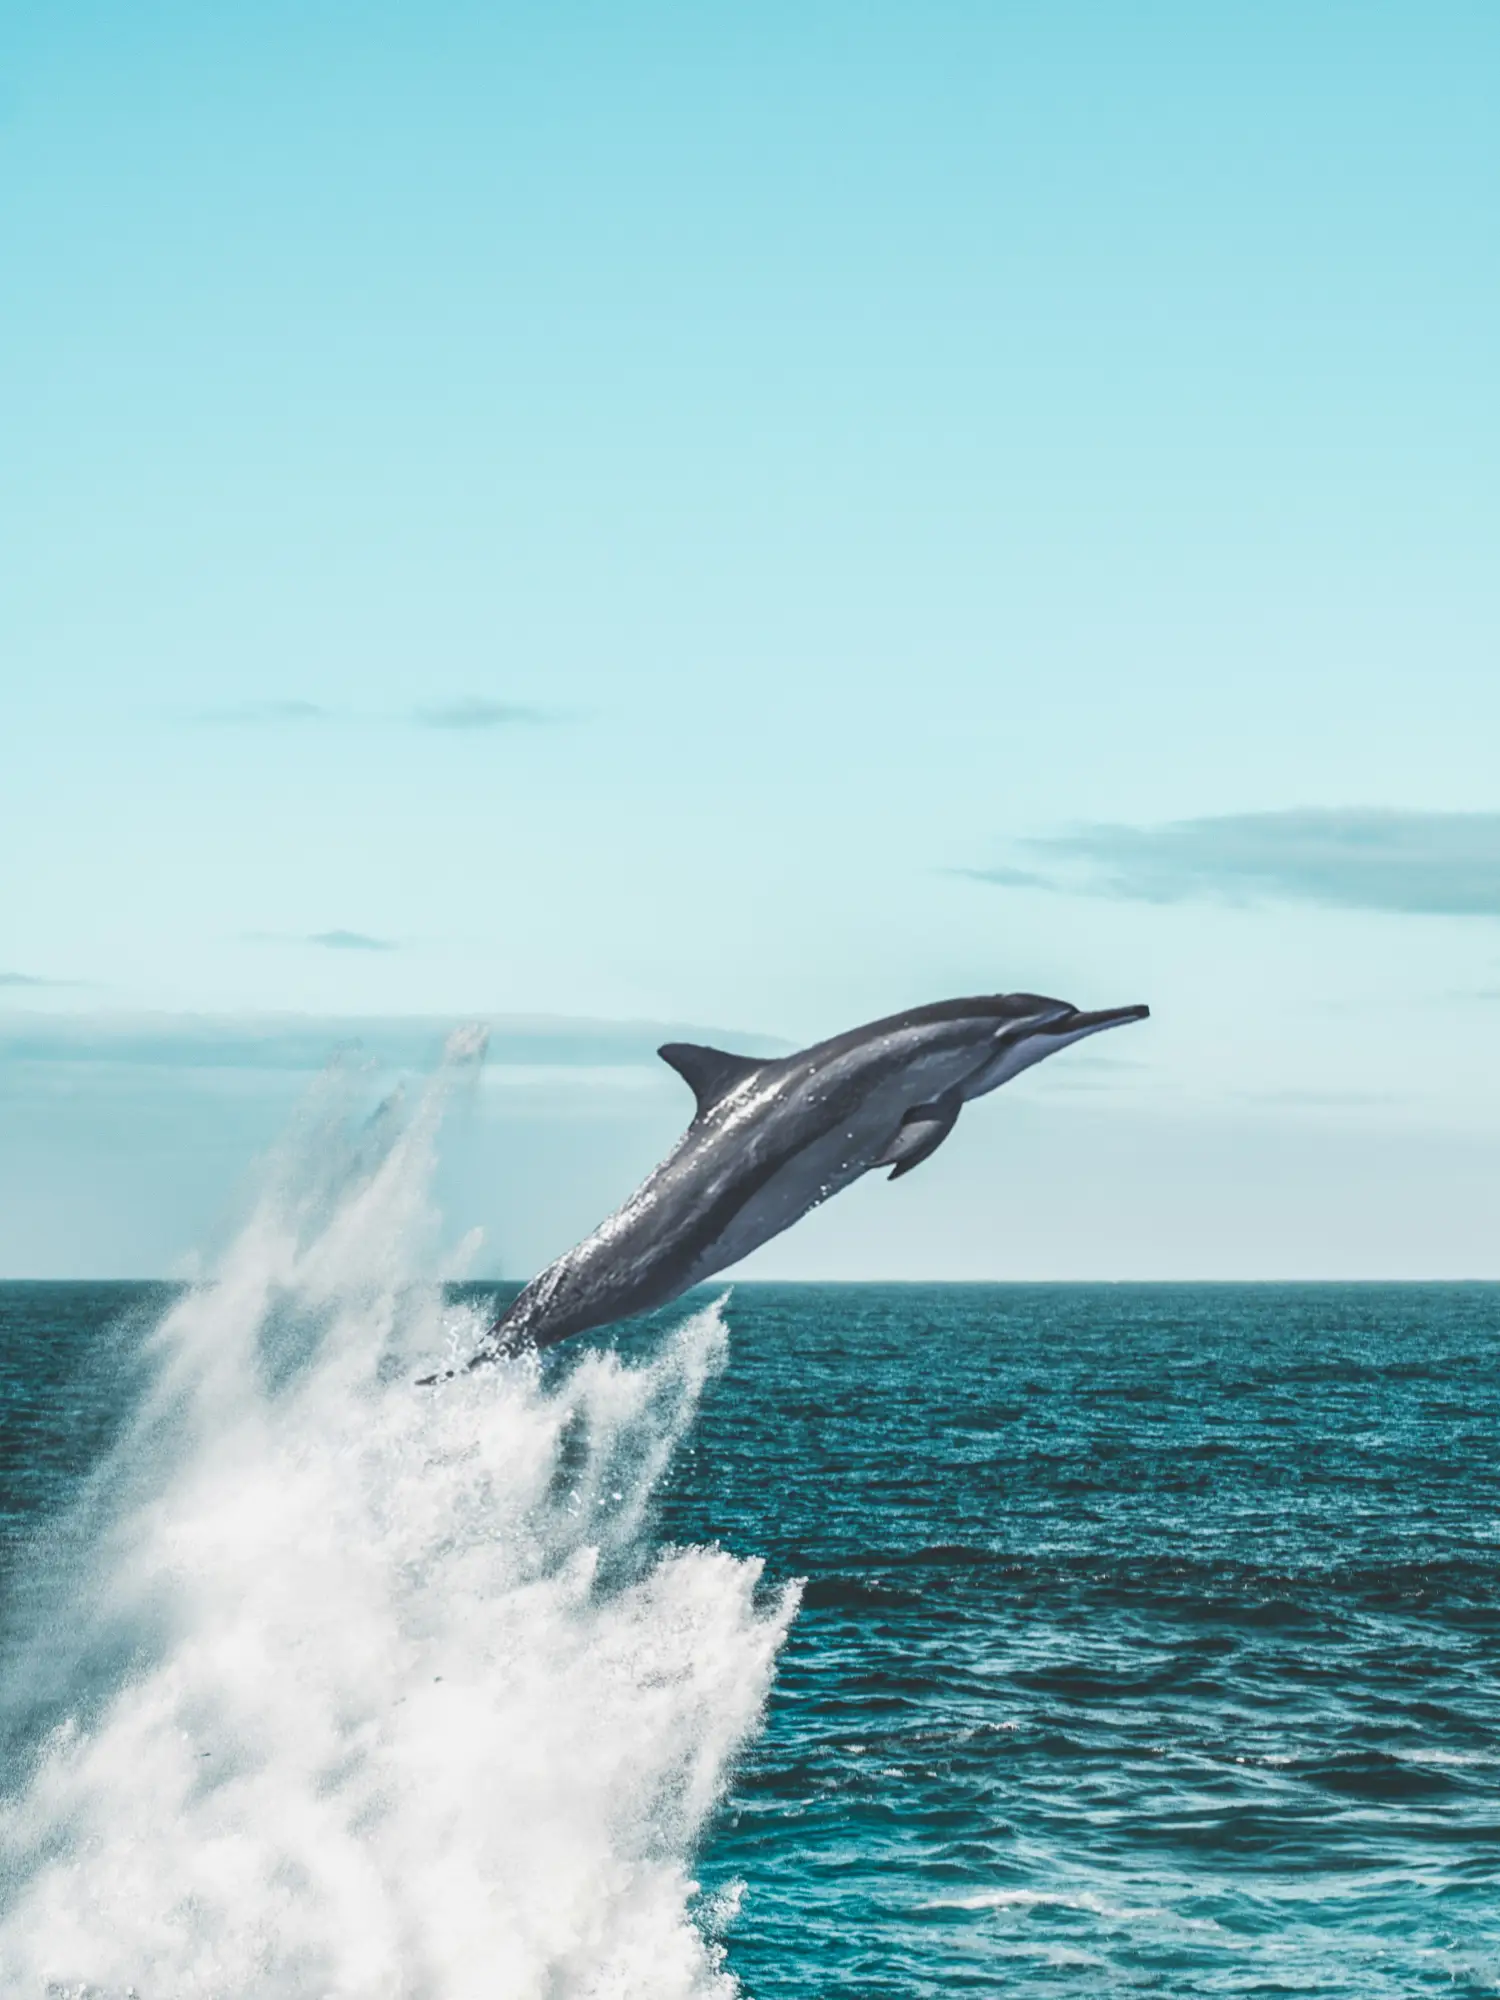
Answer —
(363, 1689)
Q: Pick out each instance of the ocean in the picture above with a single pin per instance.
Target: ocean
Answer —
(869, 1640)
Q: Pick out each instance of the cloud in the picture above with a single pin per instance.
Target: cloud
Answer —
(1007, 878)
(263, 714)
(470, 712)
(307, 1042)
(1409, 863)
(29, 979)
(335, 940)
(465, 712)
(349, 941)
(1319, 1100)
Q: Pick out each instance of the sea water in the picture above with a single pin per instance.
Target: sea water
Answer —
(881, 1641)
(1149, 1640)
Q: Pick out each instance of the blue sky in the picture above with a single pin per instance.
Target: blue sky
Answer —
(754, 518)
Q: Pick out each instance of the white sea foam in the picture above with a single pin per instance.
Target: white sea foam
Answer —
(413, 1708)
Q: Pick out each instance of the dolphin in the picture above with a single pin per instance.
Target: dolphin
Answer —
(772, 1139)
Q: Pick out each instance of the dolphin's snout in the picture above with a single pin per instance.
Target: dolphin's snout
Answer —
(1062, 1019)
(1078, 1023)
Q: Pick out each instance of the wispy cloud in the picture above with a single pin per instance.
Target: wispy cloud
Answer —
(473, 712)
(1318, 1100)
(31, 979)
(463, 712)
(335, 940)
(263, 714)
(306, 1042)
(1008, 878)
(1409, 863)
(350, 941)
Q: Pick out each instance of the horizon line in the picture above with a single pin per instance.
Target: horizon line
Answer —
(847, 1284)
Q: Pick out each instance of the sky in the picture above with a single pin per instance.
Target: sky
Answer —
(626, 520)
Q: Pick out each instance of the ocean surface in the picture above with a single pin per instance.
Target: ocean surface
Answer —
(881, 1641)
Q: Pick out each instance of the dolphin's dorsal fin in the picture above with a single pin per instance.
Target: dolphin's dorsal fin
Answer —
(708, 1073)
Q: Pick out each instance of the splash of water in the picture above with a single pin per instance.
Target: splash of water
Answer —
(404, 1704)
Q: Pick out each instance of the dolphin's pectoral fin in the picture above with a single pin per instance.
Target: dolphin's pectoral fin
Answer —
(922, 1131)
(709, 1073)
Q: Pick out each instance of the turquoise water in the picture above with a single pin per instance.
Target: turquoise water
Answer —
(1149, 1641)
